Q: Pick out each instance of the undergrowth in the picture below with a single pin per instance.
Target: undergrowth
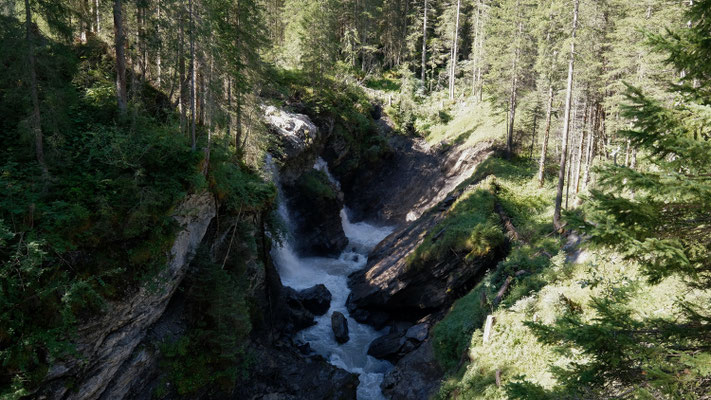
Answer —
(102, 224)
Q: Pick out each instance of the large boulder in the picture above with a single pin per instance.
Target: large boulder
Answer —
(339, 324)
(413, 177)
(416, 376)
(390, 284)
(299, 141)
(399, 342)
(314, 201)
(316, 299)
(285, 374)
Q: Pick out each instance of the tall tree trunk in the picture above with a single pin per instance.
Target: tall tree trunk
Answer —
(97, 17)
(238, 124)
(571, 152)
(594, 118)
(159, 66)
(36, 118)
(546, 134)
(181, 72)
(228, 89)
(119, 43)
(579, 158)
(424, 45)
(475, 48)
(192, 77)
(557, 223)
(482, 32)
(512, 99)
(533, 134)
(85, 22)
(453, 61)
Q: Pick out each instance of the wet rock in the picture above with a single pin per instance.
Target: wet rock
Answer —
(400, 327)
(416, 376)
(339, 324)
(287, 374)
(414, 177)
(315, 205)
(387, 347)
(378, 319)
(316, 299)
(295, 316)
(418, 332)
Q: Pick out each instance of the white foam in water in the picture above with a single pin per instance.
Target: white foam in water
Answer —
(302, 273)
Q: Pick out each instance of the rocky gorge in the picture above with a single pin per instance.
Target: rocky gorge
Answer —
(408, 190)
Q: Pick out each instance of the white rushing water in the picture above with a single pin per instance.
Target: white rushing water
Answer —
(301, 273)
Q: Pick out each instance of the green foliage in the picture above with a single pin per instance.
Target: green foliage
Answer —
(655, 217)
(212, 352)
(509, 184)
(340, 105)
(102, 224)
(240, 189)
(314, 184)
(470, 228)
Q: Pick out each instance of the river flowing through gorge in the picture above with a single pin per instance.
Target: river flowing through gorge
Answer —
(305, 272)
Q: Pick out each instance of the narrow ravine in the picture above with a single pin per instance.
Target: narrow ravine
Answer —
(301, 273)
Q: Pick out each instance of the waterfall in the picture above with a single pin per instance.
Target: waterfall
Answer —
(302, 273)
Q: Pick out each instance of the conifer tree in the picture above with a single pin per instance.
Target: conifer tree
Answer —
(657, 217)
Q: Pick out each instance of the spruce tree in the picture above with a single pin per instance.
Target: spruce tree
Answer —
(657, 217)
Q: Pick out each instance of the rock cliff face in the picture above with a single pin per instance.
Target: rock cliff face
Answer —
(314, 201)
(107, 342)
(414, 178)
(389, 284)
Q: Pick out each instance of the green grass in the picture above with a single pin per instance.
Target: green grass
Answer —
(529, 208)
(548, 289)
(467, 124)
(470, 228)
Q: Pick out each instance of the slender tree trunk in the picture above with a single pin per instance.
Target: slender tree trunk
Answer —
(238, 124)
(546, 134)
(590, 145)
(229, 106)
(424, 45)
(557, 223)
(119, 43)
(159, 66)
(85, 22)
(36, 118)
(512, 99)
(533, 134)
(192, 76)
(579, 159)
(453, 61)
(475, 48)
(181, 72)
(97, 17)
(480, 47)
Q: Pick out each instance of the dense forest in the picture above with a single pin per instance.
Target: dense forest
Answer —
(574, 255)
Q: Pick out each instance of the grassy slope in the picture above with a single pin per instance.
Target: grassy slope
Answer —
(554, 283)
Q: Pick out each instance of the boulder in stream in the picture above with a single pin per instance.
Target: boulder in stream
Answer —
(339, 324)
(316, 299)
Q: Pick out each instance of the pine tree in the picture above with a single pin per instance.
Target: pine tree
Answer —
(657, 217)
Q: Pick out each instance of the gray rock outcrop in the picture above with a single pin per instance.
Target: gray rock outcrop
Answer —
(106, 342)
(416, 376)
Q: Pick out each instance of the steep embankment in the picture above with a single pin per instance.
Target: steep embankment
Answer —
(106, 342)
